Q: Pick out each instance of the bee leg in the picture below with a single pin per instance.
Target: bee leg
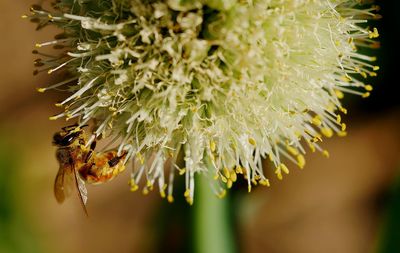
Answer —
(91, 151)
(114, 161)
(93, 145)
(85, 170)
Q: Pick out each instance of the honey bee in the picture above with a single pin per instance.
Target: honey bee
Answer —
(80, 164)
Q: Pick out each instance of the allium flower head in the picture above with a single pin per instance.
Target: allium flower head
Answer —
(222, 84)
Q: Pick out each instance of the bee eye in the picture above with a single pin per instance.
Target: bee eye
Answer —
(57, 138)
(68, 139)
(65, 140)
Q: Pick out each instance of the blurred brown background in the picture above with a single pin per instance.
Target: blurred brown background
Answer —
(333, 205)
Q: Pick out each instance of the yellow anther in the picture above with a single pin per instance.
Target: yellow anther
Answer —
(145, 191)
(375, 68)
(331, 107)
(350, 40)
(372, 74)
(342, 109)
(170, 198)
(312, 147)
(229, 184)
(24, 16)
(292, 150)
(271, 158)
(227, 174)
(134, 188)
(339, 94)
(264, 182)
(186, 193)
(50, 71)
(181, 171)
(222, 194)
(112, 109)
(223, 179)
(162, 194)
(216, 176)
(328, 132)
(249, 187)
(368, 87)
(346, 78)
(239, 170)
(38, 45)
(374, 33)
(316, 120)
(342, 134)
(189, 200)
(366, 94)
(252, 141)
(343, 127)
(58, 104)
(233, 176)
(325, 153)
(41, 90)
(279, 174)
(53, 118)
(338, 118)
(254, 182)
(363, 74)
(148, 183)
(301, 161)
(140, 157)
(212, 146)
(284, 168)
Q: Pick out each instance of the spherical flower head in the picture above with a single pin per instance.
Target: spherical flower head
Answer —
(219, 84)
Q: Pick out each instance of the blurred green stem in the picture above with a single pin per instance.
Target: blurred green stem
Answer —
(213, 231)
(390, 234)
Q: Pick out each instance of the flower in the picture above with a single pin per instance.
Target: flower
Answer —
(221, 83)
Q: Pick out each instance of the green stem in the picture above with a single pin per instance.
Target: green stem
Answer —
(213, 231)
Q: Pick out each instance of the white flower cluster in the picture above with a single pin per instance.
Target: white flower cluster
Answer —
(219, 84)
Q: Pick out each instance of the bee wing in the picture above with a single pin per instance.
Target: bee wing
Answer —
(82, 191)
(62, 184)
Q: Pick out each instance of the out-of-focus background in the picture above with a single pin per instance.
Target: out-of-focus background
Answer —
(349, 203)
